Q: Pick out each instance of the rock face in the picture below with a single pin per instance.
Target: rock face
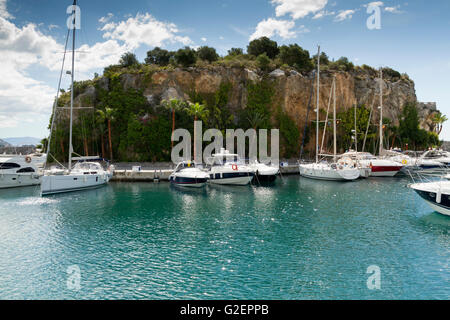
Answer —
(292, 90)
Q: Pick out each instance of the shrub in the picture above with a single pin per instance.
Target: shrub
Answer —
(263, 45)
(294, 56)
(158, 56)
(128, 60)
(208, 54)
(186, 57)
(263, 62)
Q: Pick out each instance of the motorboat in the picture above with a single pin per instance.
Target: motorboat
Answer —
(87, 172)
(187, 174)
(263, 172)
(440, 156)
(411, 161)
(436, 194)
(84, 175)
(380, 167)
(16, 171)
(227, 169)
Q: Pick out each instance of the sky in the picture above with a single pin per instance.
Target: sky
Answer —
(413, 38)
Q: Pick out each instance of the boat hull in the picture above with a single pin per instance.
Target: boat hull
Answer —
(318, 173)
(16, 180)
(239, 179)
(385, 171)
(188, 182)
(266, 178)
(71, 183)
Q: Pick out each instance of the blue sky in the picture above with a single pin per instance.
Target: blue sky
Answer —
(414, 38)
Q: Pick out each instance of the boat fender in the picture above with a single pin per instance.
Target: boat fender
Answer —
(439, 196)
(28, 159)
(235, 167)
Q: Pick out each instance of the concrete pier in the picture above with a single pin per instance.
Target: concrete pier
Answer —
(149, 175)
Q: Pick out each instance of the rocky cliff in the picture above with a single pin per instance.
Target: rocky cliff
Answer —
(291, 89)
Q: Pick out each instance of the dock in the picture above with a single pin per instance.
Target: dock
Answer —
(147, 174)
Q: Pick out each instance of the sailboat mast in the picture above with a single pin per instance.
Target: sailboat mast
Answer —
(334, 118)
(317, 105)
(356, 132)
(381, 111)
(72, 91)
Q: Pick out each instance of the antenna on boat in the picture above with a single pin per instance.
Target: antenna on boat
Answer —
(334, 119)
(72, 74)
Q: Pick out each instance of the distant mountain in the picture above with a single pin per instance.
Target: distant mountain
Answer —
(23, 141)
(3, 143)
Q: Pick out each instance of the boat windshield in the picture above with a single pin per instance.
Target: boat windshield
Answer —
(185, 165)
(87, 166)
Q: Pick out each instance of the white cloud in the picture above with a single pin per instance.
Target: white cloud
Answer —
(107, 18)
(204, 39)
(322, 14)
(3, 11)
(395, 9)
(270, 27)
(345, 15)
(143, 29)
(298, 8)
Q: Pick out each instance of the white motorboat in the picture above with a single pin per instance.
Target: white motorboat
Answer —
(410, 161)
(345, 169)
(436, 195)
(83, 176)
(380, 167)
(263, 172)
(86, 174)
(228, 169)
(439, 156)
(15, 171)
(187, 174)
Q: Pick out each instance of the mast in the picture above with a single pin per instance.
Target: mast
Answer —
(71, 93)
(381, 111)
(334, 119)
(356, 133)
(317, 104)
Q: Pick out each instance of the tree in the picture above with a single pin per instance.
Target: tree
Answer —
(235, 52)
(186, 57)
(409, 125)
(294, 56)
(109, 116)
(263, 61)
(128, 60)
(439, 120)
(208, 54)
(100, 121)
(263, 45)
(158, 56)
(173, 105)
(197, 110)
(343, 64)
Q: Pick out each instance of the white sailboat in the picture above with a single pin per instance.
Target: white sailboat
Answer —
(345, 169)
(87, 173)
(380, 167)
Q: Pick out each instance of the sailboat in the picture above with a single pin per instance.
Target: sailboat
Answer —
(87, 173)
(379, 167)
(343, 170)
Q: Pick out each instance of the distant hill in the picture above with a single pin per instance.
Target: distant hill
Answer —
(23, 141)
(3, 143)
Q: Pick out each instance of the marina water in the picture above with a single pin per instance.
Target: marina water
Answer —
(299, 239)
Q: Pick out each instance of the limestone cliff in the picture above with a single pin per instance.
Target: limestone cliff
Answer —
(292, 89)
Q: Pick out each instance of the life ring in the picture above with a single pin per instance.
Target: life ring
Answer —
(405, 162)
(235, 167)
(28, 159)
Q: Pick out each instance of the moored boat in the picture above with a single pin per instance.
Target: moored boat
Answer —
(18, 171)
(228, 169)
(263, 172)
(436, 195)
(187, 174)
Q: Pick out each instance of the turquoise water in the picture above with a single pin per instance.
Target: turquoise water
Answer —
(300, 239)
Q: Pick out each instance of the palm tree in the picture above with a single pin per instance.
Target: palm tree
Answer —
(109, 116)
(256, 120)
(197, 110)
(173, 105)
(100, 120)
(439, 120)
